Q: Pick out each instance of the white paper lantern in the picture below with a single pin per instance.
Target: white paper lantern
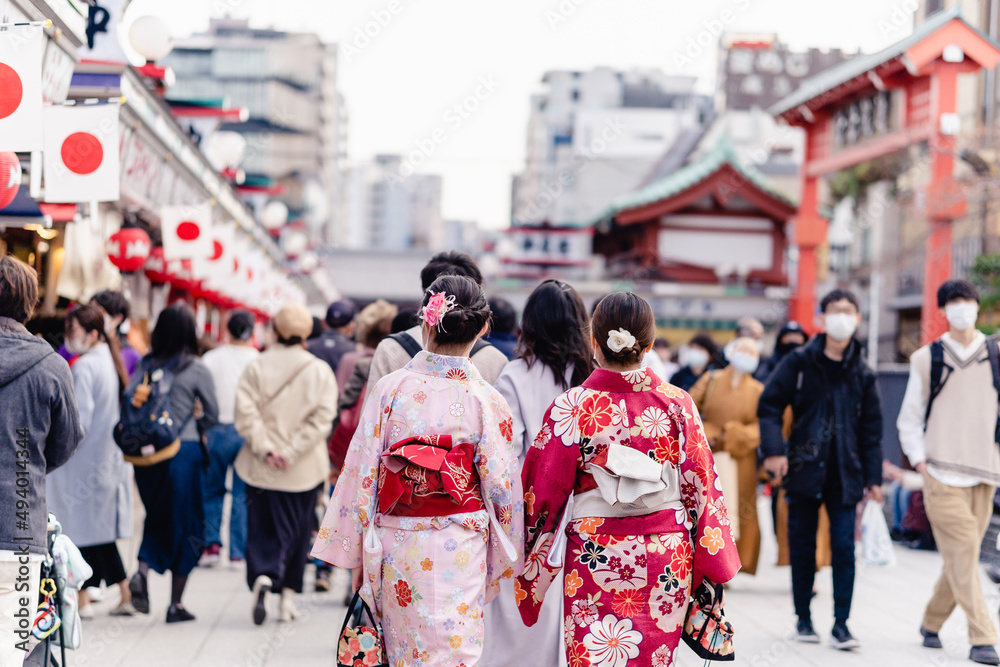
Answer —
(308, 262)
(274, 215)
(225, 149)
(294, 243)
(150, 37)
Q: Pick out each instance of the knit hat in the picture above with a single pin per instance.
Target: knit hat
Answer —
(293, 320)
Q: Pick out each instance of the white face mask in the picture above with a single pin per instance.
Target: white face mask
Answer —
(841, 326)
(109, 325)
(77, 347)
(696, 357)
(962, 316)
(743, 362)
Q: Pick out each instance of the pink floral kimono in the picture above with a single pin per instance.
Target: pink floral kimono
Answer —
(428, 578)
(616, 483)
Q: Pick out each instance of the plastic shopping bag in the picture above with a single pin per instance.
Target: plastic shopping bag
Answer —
(876, 545)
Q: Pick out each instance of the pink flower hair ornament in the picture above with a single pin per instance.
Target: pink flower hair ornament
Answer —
(437, 307)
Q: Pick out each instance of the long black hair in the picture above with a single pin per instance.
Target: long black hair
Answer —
(174, 334)
(554, 331)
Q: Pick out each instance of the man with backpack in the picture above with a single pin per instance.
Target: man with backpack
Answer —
(396, 351)
(948, 430)
(833, 456)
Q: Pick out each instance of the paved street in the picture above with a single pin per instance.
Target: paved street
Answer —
(887, 612)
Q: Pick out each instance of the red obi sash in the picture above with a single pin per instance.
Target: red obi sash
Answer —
(428, 476)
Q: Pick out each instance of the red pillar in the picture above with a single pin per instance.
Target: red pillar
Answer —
(810, 233)
(944, 204)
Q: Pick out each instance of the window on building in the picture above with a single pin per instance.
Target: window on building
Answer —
(933, 7)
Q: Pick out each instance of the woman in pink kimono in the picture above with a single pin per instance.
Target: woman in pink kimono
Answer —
(621, 494)
(428, 506)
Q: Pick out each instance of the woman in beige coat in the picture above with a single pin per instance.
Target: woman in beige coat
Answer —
(285, 404)
(727, 400)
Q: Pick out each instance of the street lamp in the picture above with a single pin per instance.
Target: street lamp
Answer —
(150, 37)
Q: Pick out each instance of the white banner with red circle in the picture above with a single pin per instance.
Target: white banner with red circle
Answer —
(21, 88)
(187, 231)
(81, 153)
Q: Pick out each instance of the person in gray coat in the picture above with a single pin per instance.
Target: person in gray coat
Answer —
(39, 431)
(92, 494)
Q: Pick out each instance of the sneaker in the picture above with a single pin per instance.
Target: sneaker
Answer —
(210, 556)
(931, 639)
(140, 593)
(261, 587)
(322, 581)
(95, 594)
(984, 655)
(123, 609)
(841, 638)
(804, 632)
(236, 563)
(86, 612)
(178, 614)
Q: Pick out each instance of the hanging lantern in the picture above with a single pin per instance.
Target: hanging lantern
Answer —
(10, 177)
(150, 37)
(274, 215)
(294, 242)
(156, 266)
(128, 249)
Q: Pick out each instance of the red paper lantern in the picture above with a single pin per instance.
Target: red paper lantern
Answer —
(156, 266)
(10, 177)
(128, 249)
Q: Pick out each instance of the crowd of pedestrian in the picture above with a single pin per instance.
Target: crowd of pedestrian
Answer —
(470, 462)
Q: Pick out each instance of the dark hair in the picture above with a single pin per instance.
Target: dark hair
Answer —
(317, 328)
(661, 343)
(451, 263)
(504, 316)
(174, 333)
(952, 290)
(91, 318)
(707, 343)
(18, 289)
(466, 319)
(554, 330)
(114, 303)
(405, 319)
(289, 342)
(378, 332)
(624, 310)
(839, 295)
(241, 324)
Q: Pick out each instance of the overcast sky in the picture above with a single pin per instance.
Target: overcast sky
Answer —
(433, 53)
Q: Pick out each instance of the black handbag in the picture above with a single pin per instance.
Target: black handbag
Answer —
(708, 633)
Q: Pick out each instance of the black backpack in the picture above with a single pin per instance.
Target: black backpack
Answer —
(146, 431)
(413, 348)
(939, 377)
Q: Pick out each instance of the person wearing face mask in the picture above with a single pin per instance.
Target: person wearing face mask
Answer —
(92, 494)
(727, 400)
(789, 338)
(701, 354)
(947, 429)
(834, 453)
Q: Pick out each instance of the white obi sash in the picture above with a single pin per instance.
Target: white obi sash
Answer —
(629, 483)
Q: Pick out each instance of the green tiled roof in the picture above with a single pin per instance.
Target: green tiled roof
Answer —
(838, 74)
(687, 177)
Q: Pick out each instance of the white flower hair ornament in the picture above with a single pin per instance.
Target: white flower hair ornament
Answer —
(437, 307)
(620, 340)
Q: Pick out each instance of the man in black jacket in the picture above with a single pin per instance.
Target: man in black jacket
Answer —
(833, 455)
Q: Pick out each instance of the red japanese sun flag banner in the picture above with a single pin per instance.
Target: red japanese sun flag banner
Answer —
(187, 232)
(21, 88)
(81, 153)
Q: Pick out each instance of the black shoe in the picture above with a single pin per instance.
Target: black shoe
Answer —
(841, 638)
(993, 572)
(261, 587)
(178, 614)
(931, 639)
(322, 581)
(984, 655)
(140, 593)
(804, 632)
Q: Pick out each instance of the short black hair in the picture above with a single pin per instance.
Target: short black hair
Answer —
(241, 324)
(114, 303)
(175, 333)
(839, 295)
(450, 263)
(406, 319)
(953, 290)
(504, 316)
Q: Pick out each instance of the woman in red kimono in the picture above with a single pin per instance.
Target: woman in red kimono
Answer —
(620, 485)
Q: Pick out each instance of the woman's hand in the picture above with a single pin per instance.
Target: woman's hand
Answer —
(276, 461)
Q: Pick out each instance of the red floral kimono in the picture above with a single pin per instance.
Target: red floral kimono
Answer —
(616, 483)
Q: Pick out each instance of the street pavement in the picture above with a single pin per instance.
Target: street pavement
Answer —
(888, 605)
